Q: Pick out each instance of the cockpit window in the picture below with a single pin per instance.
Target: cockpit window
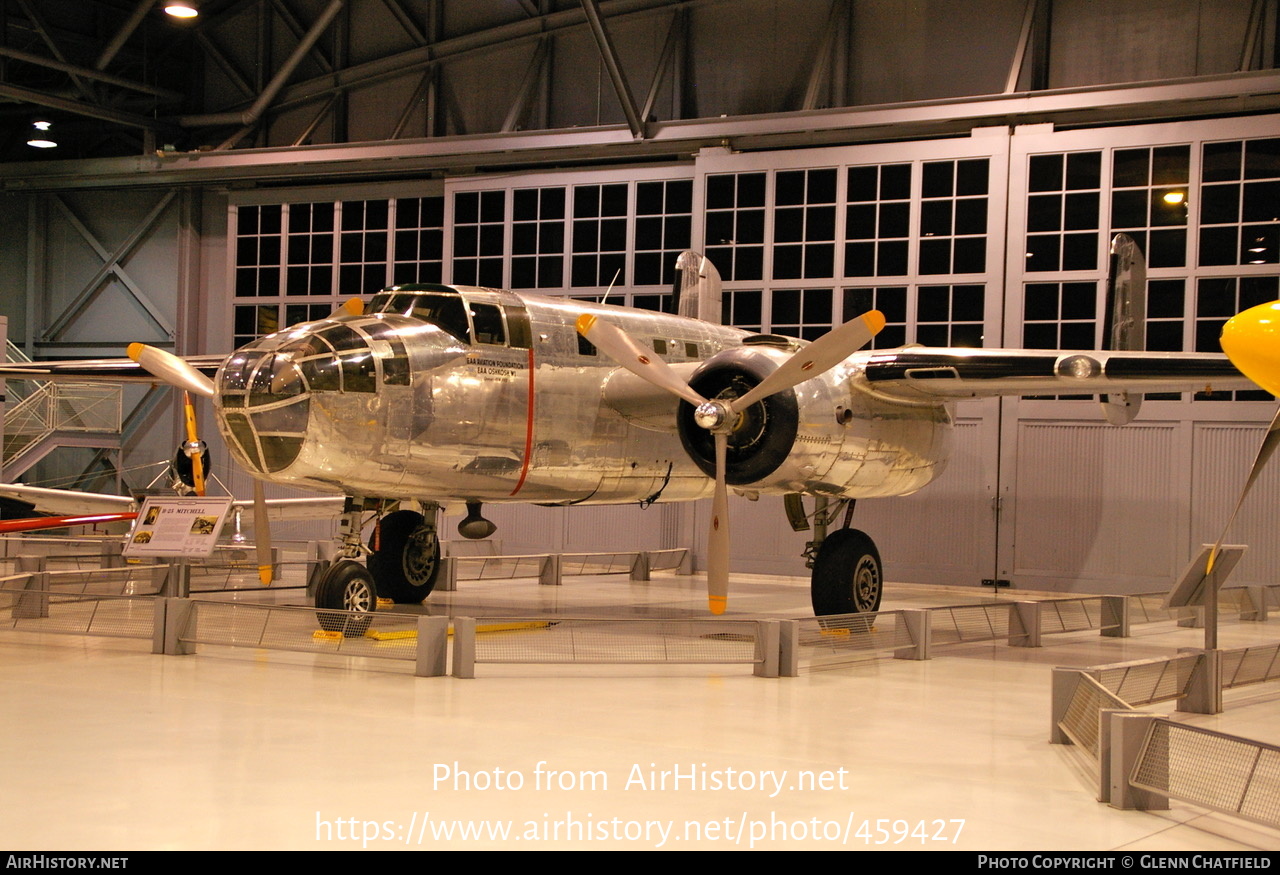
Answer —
(443, 310)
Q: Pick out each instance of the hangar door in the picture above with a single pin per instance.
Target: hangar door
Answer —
(1085, 505)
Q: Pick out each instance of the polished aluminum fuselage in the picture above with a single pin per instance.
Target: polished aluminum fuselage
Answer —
(537, 416)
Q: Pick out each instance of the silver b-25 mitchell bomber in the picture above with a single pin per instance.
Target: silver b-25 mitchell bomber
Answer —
(435, 394)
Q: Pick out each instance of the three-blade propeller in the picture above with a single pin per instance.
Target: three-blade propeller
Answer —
(719, 416)
(1252, 341)
(181, 374)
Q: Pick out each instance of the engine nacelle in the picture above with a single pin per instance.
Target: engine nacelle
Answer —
(763, 438)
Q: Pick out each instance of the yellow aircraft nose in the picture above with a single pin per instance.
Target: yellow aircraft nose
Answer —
(1252, 341)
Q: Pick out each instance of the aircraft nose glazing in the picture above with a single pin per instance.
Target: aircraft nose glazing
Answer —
(265, 406)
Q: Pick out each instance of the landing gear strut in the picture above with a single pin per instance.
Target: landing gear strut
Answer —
(847, 577)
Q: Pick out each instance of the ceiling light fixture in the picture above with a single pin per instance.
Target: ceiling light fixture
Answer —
(182, 8)
(41, 138)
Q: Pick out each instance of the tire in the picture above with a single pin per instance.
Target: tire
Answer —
(847, 577)
(347, 586)
(407, 559)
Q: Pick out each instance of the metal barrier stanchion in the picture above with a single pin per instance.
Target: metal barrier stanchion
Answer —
(767, 648)
(1115, 616)
(1128, 735)
(433, 647)
(1025, 615)
(464, 647)
(918, 626)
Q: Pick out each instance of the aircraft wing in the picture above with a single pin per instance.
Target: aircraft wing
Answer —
(103, 370)
(945, 374)
(292, 509)
(66, 502)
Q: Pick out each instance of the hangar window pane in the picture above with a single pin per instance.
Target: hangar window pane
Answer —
(1217, 300)
(889, 300)
(362, 247)
(950, 315)
(1060, 315)
(309, 256)
(537, 238)
(1149, 201)
(418, 240)
(478, 237)
(735, 224)
(258, 250)
(664, 225)
(254, 321)
(599, 235)
(1240, 203)
(877, 220)
(1063, 207)
(804, 224)
(953, 217)
(804, 313)
(741, 308)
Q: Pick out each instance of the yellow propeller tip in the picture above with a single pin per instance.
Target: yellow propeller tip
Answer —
(354, 306)
(874, 320)
(264, 574)
(717, 604)
(585, 321)
(134, 350)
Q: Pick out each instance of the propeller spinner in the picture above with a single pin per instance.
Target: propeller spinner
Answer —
(720, 416)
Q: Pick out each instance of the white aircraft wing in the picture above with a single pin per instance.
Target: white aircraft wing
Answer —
(293, 509)
(943, 374)
(65, 502)
(107, 370)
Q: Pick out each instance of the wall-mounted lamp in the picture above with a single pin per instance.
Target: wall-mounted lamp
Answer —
(41, 138)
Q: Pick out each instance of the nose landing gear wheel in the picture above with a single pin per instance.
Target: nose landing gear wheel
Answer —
(406, 557)
(346, 586)
(847, 578)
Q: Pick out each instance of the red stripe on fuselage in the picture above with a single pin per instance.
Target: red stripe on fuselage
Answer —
(528, 431)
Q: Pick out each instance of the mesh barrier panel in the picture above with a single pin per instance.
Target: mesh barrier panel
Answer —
(666, 560)
(833, 641)
(966, 623)
(1075, 615)
(597, 563)
(1142, 683)
(78, 614)
(1210, 769)
(512, 640)
(1080, 722)
(1250, 665)
(498, 567)
(290, 628)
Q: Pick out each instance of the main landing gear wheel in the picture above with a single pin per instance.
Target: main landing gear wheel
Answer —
(406, 559)
(846, 575)
(346, 586)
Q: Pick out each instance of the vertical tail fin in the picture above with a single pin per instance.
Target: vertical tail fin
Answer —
(1126, 325)
(697, 287)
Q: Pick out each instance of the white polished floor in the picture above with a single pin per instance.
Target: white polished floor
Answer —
(108, 747)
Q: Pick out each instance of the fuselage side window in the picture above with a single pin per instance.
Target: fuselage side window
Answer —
(487, 319)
